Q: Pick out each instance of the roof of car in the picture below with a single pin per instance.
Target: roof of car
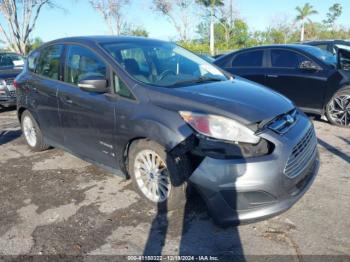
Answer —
(326, 41)
(298, 47)
(293, 46)
(288, 46)
(102, 39)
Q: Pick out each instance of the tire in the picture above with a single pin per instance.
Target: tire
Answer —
(32, 133)
(176, 170)
(338, 108)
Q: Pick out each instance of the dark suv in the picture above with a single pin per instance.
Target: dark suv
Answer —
(11, 65)
(168, 119)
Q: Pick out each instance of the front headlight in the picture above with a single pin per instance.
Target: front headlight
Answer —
(219, 127)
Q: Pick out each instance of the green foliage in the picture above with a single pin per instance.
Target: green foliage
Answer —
(139, 32)
(238, 35)
(334, 12)
(196, 47)
(210, 3)
(305, 11)
(132, 30)
(34, 44)
(232, 32)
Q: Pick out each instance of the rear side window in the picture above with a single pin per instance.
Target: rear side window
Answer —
(286, 59)
(81, 63)
(249, 59)
(49, 62)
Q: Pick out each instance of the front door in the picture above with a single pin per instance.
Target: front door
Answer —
(88, 119)
(304, 87)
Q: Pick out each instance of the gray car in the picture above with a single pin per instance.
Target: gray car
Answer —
(11, 65)
(169, 120)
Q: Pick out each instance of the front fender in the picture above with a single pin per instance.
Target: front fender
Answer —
(163, 131)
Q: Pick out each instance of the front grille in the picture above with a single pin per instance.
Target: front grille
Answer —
(12, 93)
(303, 153)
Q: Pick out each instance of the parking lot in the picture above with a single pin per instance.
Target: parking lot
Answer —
(53, 203)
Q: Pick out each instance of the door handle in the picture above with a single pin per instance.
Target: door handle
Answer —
(67, 100)
(272, 76)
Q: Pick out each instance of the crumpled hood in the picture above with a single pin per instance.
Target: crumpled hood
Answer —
(240, 99)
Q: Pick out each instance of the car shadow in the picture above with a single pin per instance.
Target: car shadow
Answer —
(7, 109)
(9, 135)
(194, 231)
(344, 139)
(334, 150)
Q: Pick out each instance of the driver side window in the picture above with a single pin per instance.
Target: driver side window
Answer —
(81, 63)
(286, 59)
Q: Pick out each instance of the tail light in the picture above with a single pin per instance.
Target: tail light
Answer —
(15, 84)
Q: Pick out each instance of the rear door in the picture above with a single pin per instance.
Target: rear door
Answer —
(88, 119)
(43, 83)
(248, 64)
(306, 88)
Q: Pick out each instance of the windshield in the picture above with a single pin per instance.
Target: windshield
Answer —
(321, 54)
(11, 60)
(162, 64)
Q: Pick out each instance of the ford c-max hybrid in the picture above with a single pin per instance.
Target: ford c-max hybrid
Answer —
(168, 119)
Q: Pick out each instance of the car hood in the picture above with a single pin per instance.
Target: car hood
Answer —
(239, 99)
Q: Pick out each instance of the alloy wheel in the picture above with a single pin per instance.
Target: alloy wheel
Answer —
(29, 131)
(339, 110)
(152, 176)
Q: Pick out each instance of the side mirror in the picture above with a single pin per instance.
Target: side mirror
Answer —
(93, 84)
(309, 66)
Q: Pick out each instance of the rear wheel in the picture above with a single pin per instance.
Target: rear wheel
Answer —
(338, 109)
(32, 133)
(157, 176)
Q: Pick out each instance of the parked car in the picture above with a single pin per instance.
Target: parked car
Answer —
(315, 80)
(11, 65)
(168, 119)
(330, 45)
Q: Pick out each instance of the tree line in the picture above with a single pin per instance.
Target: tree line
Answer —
(208, 26)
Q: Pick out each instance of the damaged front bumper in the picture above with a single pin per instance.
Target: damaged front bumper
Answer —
(246, 190)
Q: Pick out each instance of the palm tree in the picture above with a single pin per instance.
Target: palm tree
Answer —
(303, 15)
(211, 4)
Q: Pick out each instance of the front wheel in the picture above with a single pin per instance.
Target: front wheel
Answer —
(158, 177)
(338, 109)
(32, 132)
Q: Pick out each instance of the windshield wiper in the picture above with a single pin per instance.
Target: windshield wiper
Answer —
(197, 80)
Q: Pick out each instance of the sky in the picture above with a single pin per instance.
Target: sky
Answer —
(79, 18)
